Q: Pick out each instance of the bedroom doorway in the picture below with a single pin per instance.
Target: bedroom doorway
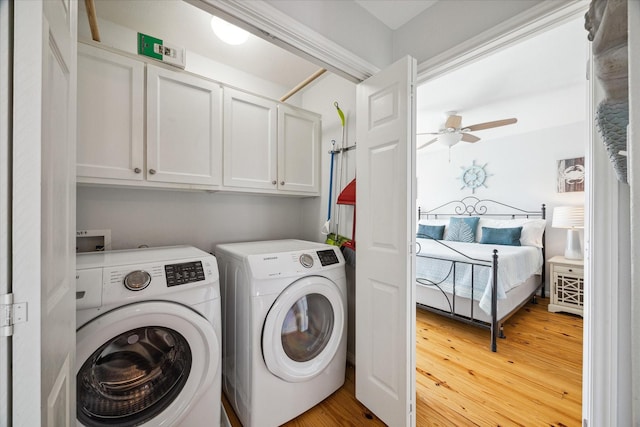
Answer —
(518, 164)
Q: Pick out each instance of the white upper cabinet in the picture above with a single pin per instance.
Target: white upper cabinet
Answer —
(268, 146)
(110, 116)
(184, 129)
(298, 150)
(199, 135)
(250, 141)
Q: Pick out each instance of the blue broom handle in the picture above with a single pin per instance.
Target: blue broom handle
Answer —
(330, 186)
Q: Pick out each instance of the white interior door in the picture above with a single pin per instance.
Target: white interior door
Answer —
(385, 269)
(5, 201)
(43, 218)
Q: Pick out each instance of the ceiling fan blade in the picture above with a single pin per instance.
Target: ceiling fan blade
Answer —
(428, 133)
(453, 122)
(467, 137)
(424, 144)
(488, 125)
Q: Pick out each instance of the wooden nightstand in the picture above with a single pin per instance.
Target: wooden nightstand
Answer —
(567, 285)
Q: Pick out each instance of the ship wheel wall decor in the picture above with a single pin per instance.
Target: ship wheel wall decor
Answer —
(473, 176)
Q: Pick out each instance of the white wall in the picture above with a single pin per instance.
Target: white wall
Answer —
(438, 28)
(320, 98)
(449, 23)
(344, 23)
(522, 171)
(162, 217)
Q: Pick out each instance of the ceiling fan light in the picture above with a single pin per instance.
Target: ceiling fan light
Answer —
(450, 139)
(227, 32)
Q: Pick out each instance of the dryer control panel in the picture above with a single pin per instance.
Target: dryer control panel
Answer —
(328, 257)
(294, 263)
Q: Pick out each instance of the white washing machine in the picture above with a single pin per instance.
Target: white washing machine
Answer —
(284, 306)
(148, 338)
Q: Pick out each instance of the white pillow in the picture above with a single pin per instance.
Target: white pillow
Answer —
(532, 229)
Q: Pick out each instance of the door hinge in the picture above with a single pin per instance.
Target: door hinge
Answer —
(11, 314)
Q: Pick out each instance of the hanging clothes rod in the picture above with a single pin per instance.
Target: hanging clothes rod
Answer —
(302, 84)
(93, 19)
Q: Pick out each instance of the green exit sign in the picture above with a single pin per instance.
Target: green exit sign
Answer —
(149, 46)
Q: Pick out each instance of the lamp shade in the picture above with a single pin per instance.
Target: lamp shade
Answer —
(450, 139)
(568, 217)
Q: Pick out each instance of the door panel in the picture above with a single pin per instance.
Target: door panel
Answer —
(5, 201)
(184, 128)
(250, 145)
(43, 227)
(385, 271)
(298, 150)
(110, 115)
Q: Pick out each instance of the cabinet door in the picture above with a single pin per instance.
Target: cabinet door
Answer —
(184, 133)
(110, 115)
(298, 150)
(250, 144)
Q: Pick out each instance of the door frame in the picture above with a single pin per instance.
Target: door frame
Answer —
(634, 164)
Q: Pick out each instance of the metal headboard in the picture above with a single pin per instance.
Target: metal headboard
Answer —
(472, 205)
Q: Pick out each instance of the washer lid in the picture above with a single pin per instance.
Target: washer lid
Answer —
(142, 362)
(303, 329)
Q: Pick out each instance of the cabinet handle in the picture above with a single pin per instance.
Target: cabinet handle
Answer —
(281, 182)
(152, 171)
(274, 182)
(137, 170)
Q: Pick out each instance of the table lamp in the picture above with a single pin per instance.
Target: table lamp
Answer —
(571, 218)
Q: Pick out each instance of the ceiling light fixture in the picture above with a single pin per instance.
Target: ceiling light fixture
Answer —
(227, 32)
(450, 138)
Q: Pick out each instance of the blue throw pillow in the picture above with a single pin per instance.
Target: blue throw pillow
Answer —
(430, 231)
(462, 229)
(501, 236)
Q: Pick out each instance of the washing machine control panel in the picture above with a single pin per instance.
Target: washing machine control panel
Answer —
(327, 257)
(183, 273)
(147, 280)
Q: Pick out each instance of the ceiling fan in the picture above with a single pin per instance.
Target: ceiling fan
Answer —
(453, 131)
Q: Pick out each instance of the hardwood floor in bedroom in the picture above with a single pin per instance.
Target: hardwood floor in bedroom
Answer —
(535, 378)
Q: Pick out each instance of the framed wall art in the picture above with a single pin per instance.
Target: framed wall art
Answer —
(571, 175)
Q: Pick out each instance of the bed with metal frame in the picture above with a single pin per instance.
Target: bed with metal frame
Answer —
(431, 295)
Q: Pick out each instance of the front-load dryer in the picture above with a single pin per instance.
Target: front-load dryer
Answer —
(284, 327)
(148, 338)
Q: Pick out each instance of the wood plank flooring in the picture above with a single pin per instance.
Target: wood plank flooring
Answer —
(535, 378)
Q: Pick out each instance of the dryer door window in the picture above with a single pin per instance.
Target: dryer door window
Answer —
(144, 364)
(307, 327)
(304, 329)
(133, 377)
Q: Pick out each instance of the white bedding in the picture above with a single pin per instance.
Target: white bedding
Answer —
(515, 265)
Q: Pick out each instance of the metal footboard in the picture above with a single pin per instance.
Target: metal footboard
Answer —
(473, 263)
